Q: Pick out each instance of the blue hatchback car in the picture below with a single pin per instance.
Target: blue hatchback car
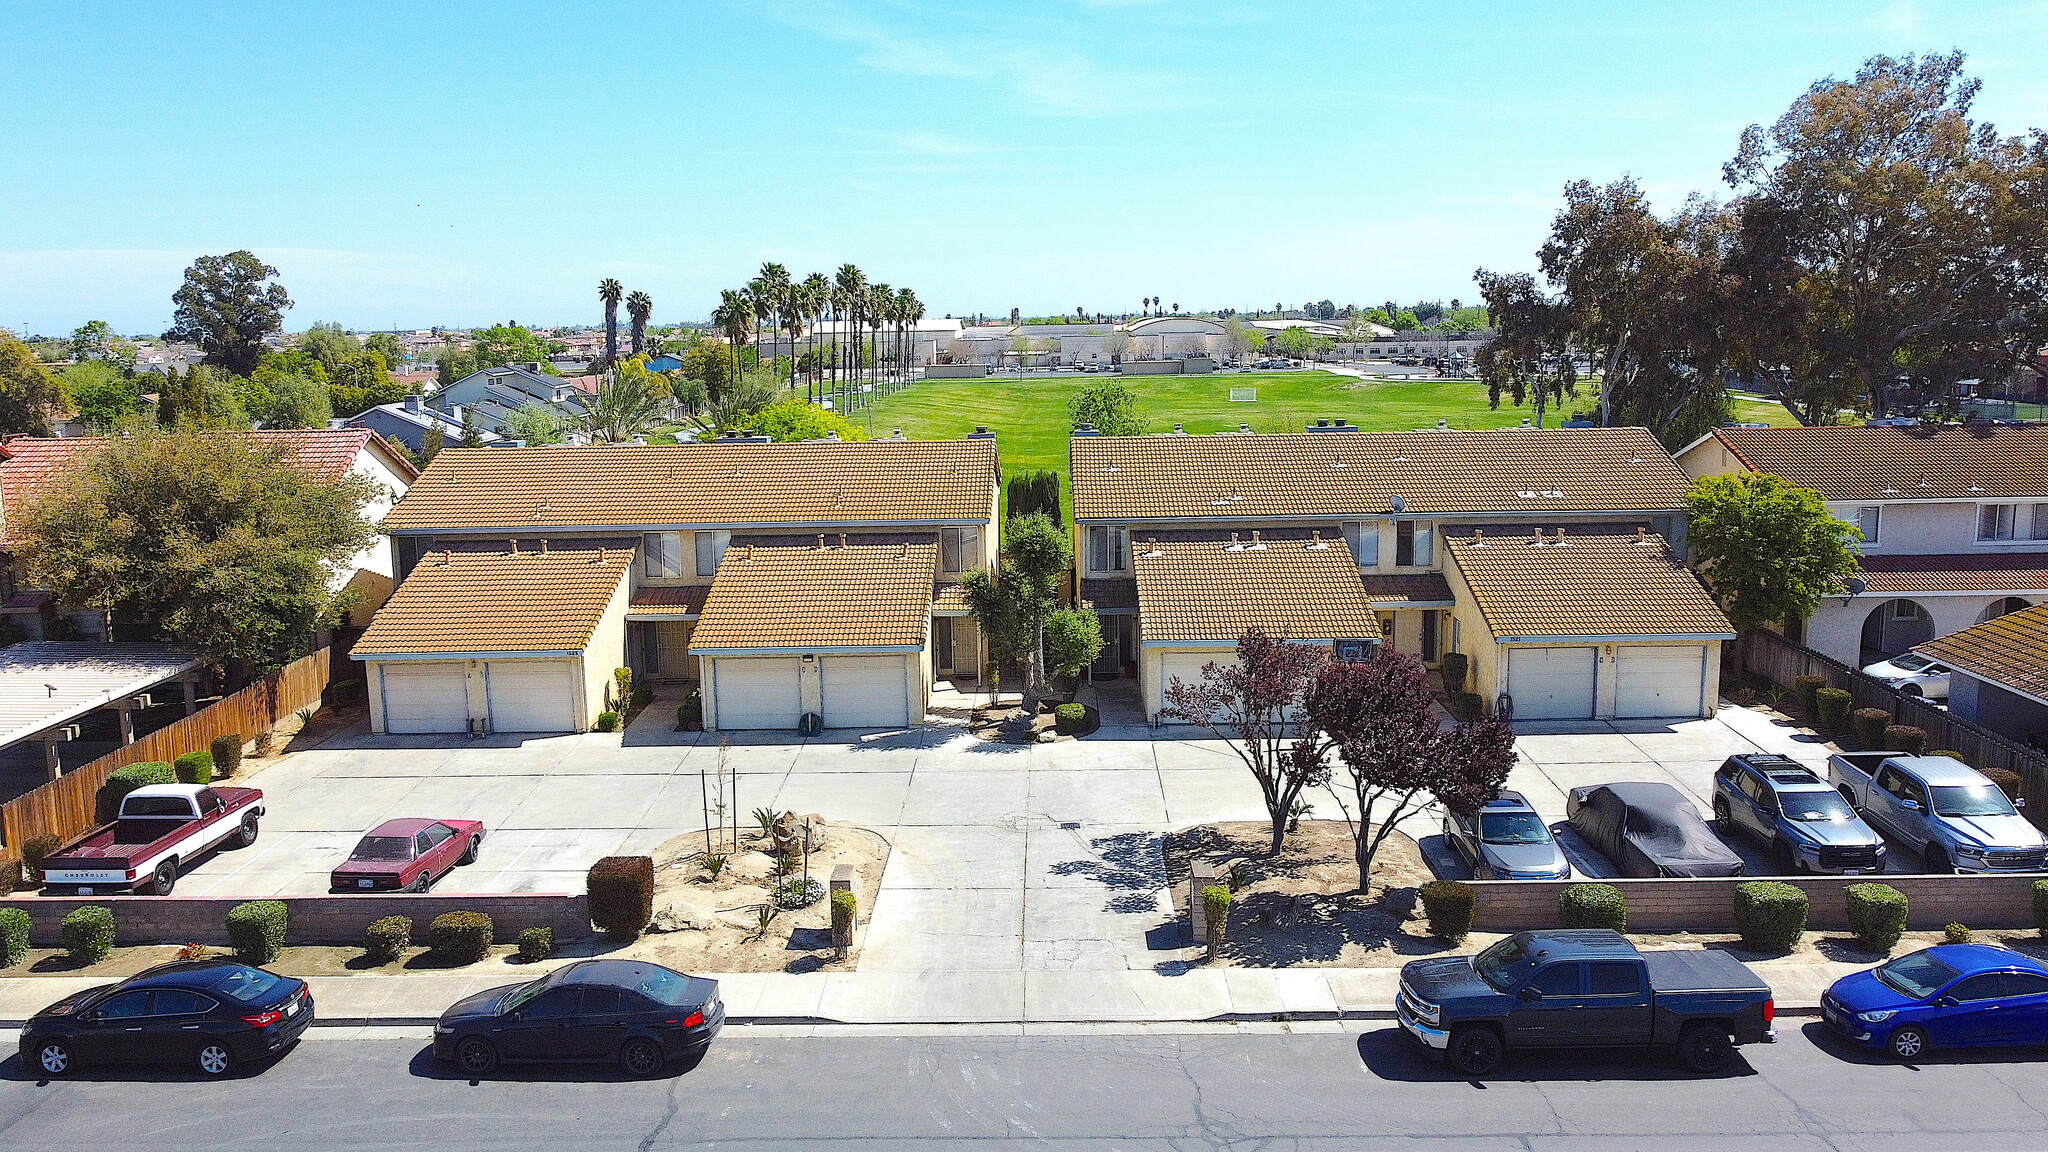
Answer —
(1948, 996)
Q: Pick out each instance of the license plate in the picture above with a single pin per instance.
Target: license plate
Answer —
(366, 883)
(85, 891)
(292, 1008)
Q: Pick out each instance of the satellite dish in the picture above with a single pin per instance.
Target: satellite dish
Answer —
(1398, 504)
(1855, 585)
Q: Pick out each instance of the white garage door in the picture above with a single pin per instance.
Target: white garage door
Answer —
(425, 697)
(532, 695)
(1187, 668)
(757, 692)
(1660, 681)
(866, 692)
(1552, 683)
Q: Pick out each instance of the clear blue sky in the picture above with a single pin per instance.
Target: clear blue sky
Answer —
(449, 163)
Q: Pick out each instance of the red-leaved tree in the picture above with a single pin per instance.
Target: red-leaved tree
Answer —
(1253, 705)
(1375, 714)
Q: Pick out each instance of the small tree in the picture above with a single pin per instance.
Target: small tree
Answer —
(535, 424)
(1768, 550)
(1250, 706)
(1110, 407)
(1073, 639)
(1013, 602)
(1375, 714)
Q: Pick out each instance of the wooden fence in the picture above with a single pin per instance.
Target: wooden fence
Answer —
(1780, 661)
(66, 806)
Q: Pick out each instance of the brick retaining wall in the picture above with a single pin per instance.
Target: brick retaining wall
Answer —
(312, 919)
(1708, 905)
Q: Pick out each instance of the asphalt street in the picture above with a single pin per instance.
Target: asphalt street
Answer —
(1354, 1086)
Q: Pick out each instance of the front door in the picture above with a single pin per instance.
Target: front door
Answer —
(1978, 1015)
(117, 1029)
(1548, 1017)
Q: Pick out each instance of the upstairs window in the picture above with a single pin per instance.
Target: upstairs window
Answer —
(661, 555)
(1364, 538)
(710, 550)
(1411, 544)
(1995, 521)
(1108, 550)
(959, 550)
(1867, 521)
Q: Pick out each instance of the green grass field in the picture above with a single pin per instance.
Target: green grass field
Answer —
(1029, 416)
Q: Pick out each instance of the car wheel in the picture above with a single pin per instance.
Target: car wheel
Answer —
(1911, 689)
(1475, 1050)
(1784, 859)
(476, 1055)
(642, 1058)
(1937, 861)
(214, 1059)
(469, 853)
(1724, 821)
(419, 883)
(247, 834)
(1705, 1048)
(166, 878)
(1908, 1043)
(54, 1058)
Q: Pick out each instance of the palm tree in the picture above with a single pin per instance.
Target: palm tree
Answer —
(876, 310)
(609, 291)
(849, 289)
(909, 310)
(734, 318)
(639, 306)
(771, 301)
(817, 297)
(629, 403)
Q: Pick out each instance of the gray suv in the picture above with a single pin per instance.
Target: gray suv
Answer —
(1507, 840)
(1807, 824)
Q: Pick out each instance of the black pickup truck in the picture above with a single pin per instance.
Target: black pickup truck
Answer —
(1583, 988)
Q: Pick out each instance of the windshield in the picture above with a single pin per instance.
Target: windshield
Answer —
(247, 985)
(1970, 800)
(1820, 807)
(1513, 828)
(1497, 965)
(1917, 975)
(383, 848)
(522, 994)
(1910, 662)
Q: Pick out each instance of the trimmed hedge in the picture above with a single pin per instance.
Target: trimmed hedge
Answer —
(1877, 914)
(1870, 724)
(194, 768)
(1906, 738)
(1957, 933)
(1216, 911)
(387, 939)
(536, 944)
(34, 849)
(89, 933)
(1831, 708)
(1454, 668)
(1450, 907)
(227, 753)
(621, 890)
(10, 875)
(1770, 914)
(462, 937)
(13, 936)
(1068, 719)
(1592, 906)
(2007, 780)
(845, 911)
(1467, 705)
(127, 779)
(1804, 687)
(606, 722)
(256, 929)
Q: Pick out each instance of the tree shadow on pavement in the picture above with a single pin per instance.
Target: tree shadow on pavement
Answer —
(1391, 1054)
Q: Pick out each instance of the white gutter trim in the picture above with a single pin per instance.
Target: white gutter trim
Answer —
(784, 527)
(530, 654)
(814, 650)
(1648, 638)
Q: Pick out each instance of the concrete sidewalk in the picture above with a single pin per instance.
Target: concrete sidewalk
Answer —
(939, 997)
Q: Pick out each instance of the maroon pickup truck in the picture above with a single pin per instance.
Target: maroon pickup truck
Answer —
(160, 828)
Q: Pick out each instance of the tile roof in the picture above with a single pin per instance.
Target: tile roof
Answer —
(2006, 572)
(1587, 586)
(670, 597)
(1107, 594)
(1394, 591)
(1358, 474)
(1190, 590)
(949, 596)
(800, 596)
(2010, 651)
(875, 481)
(472, 602)
(1949, 462)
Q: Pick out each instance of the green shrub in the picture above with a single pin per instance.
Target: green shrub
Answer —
(227, 753)
(461, 937)
(1805, 688)
(256, 929)
(1770, 914)
(194, 768)
(1877, 914)
(692, 710)
(346, 693)
(13, 936)
(1906, 738)
(1869, 725)
(1455, 668)
(127, 779)
(10, 875)
(1467, 705)
(607, 722)
(89, 933)
(1449, 906)
(621, 895)
(34, 849)
(641, 698)
(1955, 755)
(1592, 906)
(1831, 707)
(846, 911)
(536, 944)
(2008, 782)
(1068, 719)
(1216, 912)
(1957, 934)
(387, 939)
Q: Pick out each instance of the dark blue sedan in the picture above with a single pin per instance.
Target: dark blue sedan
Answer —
(1948, 996)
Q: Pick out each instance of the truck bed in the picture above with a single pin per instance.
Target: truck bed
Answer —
(1682, 971)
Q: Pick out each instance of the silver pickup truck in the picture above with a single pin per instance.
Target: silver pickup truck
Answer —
(1941, 808)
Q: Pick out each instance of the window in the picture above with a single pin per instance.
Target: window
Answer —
(1613, 978)
(959, 550)
(556, 1004)
(661, 555)
(710, 550)
(2040, 522)
(1867, 523)
(1107, 551)
(1994, 521)
(2025, 984)
(1981, 987)
(603, 1001)
(1557, 980)
(423, 843)
(439, 834)
(1364, 538)
(1411, 544)
(126, 1006)
(179, 1002)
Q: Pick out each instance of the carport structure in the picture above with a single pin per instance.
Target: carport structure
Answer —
(49, 687)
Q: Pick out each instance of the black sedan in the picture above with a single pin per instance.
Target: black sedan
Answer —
(211, 1015)
(1649, 829)
(639, 1014)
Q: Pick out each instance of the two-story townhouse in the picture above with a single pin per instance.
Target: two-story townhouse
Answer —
(1183, 541)
(784, 580)
(495, 393)
(1954, 522)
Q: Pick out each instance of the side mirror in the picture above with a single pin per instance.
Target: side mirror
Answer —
(1910, 805)
(1946, 1002)
(2019, 802)
(1528, 995)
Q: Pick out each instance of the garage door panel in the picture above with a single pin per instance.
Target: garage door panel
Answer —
(866, 692)
(1659, 681)
(1553, 683)
(1187, 668)
(532, 695)
(431, 697)
(757, 693)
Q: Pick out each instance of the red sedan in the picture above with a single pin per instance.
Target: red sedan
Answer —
(408, 855)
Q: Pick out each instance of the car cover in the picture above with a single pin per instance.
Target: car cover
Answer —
(1650, 830)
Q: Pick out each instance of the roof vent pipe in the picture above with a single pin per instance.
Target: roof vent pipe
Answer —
(821, 541)
(842, 539)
